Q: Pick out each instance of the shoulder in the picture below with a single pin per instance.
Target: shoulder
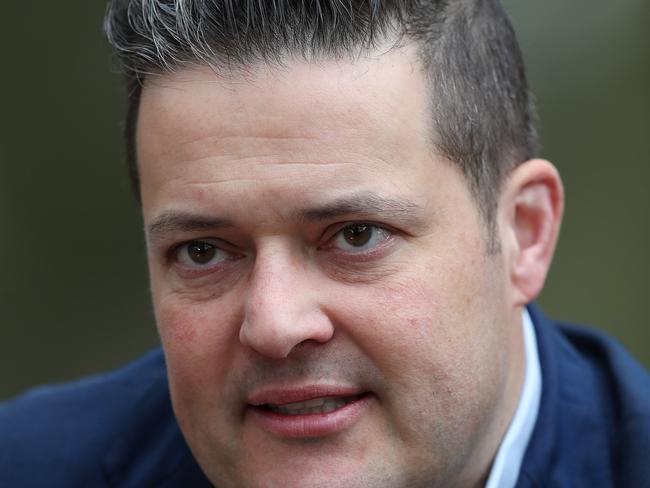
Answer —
(613, 366)
(70, 434)
(593, 427)
(622, 387)
(595, 363)
(85, 407)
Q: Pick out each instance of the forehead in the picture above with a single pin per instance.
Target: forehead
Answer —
(352, 90)
(307, 124)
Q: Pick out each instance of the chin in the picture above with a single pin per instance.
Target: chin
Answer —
(347, 475)
(314, 464)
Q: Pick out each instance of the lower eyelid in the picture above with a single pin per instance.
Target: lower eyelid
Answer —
(366, 255)
(191, 272)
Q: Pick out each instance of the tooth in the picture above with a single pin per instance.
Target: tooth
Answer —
(315, 405)
(293, 406)
(314, 402)
(330, 407)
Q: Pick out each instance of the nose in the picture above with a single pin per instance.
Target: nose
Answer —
(282, 308)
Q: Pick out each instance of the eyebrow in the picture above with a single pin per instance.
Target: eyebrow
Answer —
(175, 221)
(367, 205)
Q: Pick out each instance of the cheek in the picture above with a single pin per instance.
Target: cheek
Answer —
(391, 323)
(433, 326)
(198, 339)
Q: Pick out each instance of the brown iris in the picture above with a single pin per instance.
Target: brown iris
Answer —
(357, 234)
(201, 252)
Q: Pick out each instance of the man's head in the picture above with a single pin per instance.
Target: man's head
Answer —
(332, 309)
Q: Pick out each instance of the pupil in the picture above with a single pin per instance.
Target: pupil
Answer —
(358, 234)
(201, 252)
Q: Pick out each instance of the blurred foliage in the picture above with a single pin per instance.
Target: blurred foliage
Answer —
(73, 282)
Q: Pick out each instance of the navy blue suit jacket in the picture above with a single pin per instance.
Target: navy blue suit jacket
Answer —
(118, 429)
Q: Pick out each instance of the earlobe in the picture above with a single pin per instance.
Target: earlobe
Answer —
(532, 205)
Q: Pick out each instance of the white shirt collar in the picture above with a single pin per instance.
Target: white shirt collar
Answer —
(507, 463)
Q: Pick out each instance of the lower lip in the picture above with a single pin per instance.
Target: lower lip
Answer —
(310, 425)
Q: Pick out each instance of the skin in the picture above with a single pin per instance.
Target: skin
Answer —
(271, 167)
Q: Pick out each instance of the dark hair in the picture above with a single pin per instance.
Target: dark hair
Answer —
(481, 109)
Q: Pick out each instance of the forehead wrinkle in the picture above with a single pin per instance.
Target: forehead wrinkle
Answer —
(280, 149)
(277, 143)
(198, 147)
(232, 142)
(289, 170)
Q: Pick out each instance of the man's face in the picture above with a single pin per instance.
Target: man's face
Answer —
(327, 309)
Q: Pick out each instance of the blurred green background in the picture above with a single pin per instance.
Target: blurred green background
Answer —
(73, 281)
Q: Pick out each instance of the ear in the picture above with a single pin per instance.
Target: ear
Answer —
(530, 213)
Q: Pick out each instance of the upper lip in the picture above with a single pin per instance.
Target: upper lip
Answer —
(293, 394)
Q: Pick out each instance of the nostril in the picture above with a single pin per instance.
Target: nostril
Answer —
(307, 344)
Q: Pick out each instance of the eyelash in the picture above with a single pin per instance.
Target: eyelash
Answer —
(378, 231)
(385, 235)
(173, 257)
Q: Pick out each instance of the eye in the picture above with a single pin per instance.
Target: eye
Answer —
(360, 237)
(200, 254)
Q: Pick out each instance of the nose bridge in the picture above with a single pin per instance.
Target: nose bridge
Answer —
(281, 309)
(271, 280)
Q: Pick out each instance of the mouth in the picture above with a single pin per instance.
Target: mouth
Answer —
(311, 412)
(314, 406)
